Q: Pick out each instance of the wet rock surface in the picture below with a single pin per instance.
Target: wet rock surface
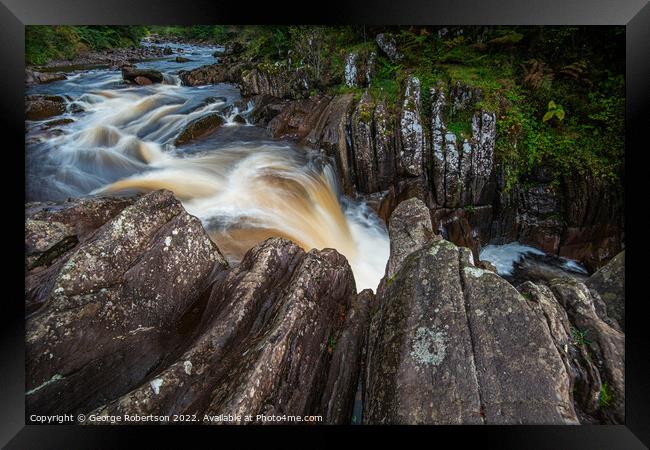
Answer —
(35, 77)
(140, 76)
(40, 107)
(199, 128)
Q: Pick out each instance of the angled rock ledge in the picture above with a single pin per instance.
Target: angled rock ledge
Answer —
(451, 343)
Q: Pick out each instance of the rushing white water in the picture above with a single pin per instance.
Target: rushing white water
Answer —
(243, 186)
(504, 257)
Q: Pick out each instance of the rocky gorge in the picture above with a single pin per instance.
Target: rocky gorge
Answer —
(119, 324)
(138, 303)
(388, 153)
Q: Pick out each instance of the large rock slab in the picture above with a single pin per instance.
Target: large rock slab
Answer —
(454, 344)
(281, 334)
(605, 343)
(609, 283)
(112, 311)
(275, 80)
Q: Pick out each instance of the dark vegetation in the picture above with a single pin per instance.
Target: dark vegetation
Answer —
(44, 43)
(558, 92)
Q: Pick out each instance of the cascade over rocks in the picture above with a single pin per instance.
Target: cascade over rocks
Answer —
(395, 155)
(138, 312)
(132, 309)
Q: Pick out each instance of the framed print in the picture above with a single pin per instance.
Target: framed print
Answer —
(402, 220)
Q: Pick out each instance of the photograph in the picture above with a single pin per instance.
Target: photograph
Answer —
(320, 224)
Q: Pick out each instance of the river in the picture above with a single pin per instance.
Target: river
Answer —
(242, 185)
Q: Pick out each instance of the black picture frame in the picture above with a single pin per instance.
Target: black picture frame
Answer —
(15, 14)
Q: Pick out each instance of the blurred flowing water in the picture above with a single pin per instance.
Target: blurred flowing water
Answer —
(244, 186)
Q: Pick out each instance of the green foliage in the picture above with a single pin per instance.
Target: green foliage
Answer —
(579, 337)
(517, 70)
(605, 397)
(554, 111)
(44, 43)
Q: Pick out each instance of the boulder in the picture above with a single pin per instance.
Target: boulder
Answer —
(40, 107)
(276, 80)
(388, 45)
(585, 380)
(451, 343)
(211, 74)
(167, 51)
(238, 118)
(409, 228)
(33, 77)
(131, 75)
(281, 334)
(181, 59)
(142, 81)
(609, 283)
(199, 128)
(114, 309)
